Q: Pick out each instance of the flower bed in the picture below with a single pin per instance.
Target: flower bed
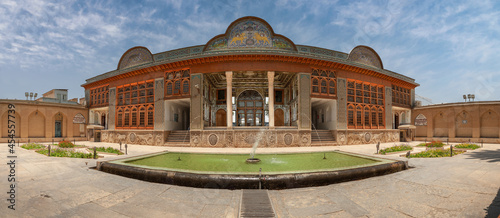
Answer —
(65, 153)
(467, 146)
(109, 150)
(435, 153)
(32, 146)
(396, 149)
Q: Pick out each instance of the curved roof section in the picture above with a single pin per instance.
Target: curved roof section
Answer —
(249, 36)
(249, 33)
(365, 55)
(135, 56)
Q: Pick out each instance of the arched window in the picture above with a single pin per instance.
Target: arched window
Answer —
(315, 85)
(315, 72)
(127, 118)
(169, 88)
(367, 117)
(380, 117)
(250, 108)
(359, 117)
(374, 117)
(119, 118)
(350, 115)
(332, 87)
(323, 86)
(323, 73)
(142, 116)
(150, 116)
(185, 86)
(177, 87)
(134, 117)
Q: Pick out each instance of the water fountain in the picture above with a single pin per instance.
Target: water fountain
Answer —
(252, 159)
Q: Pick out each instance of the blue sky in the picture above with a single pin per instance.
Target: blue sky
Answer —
(450, 47)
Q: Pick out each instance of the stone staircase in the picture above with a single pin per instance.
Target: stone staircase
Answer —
(178, 137)
(322, 137)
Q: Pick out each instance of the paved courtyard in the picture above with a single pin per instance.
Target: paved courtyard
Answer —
(467, 185)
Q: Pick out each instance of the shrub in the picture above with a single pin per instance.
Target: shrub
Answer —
(467, 146)
(31, 146)
(66, 144)
(395, 149)
(435, 153)
(109, 150)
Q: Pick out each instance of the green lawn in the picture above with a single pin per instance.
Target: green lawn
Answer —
(270, 163)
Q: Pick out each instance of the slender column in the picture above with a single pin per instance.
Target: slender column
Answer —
(341, 104)
(196, 102)
(159, 104)
(229, 97)
(304, 100)
(270, 81)
(388, 107)
(112, 109)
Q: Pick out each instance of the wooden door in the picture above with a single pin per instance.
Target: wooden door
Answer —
(279, 117)
(220, 118)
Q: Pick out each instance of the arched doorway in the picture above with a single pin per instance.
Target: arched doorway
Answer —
(250, 109)
(396, 121)
(58, 125)
(279, 117)
(220, 118)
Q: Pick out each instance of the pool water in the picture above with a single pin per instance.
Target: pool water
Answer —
(270, 163)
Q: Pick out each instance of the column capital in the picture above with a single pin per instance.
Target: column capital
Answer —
(229, 74)
(270, 75)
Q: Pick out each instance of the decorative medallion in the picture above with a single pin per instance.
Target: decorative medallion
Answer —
(212, 139)
(288, 139)
(368, 136)
(132, 137)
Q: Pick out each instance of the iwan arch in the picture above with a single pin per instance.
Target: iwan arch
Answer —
(250, 84)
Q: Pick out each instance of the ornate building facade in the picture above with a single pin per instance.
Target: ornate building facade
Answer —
(247, 86)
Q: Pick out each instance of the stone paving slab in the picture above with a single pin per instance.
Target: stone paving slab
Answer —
(460, 186)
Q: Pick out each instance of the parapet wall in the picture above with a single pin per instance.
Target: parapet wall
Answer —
(246, 138)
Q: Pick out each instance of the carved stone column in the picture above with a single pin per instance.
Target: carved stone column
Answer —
(388, 107)
(159, 122)
(341, 104)
(196, 101)
(112, 108)
(229, 97)
(304, 100)
(270, 81)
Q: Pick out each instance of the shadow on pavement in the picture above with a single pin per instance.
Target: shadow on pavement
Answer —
(493, 210)
(487, 155)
